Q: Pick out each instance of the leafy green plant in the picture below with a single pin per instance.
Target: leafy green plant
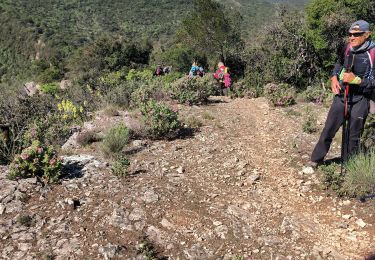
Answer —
(36, 161)
(314, 94)
(309, 125)
(115, 140)
(193, 122)
(50, 88)
(139, 75)
(193, 91)
(161, 121)
(120, 167)
(331, 177)
(147, 249)
(25, 220)
(360, 175)
(280, 94)
(151, 91)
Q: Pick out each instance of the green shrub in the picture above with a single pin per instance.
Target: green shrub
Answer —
(160, 120)
(193, 122)
(36, 161)
(242, 89)
(193, 91)
(151, 91)
(309, 125)
(50, 88)
(368, 137)
(171, 77)
(360, 175)
(314, 94)
(120, 167)
(331, 177)
(18, 112)
(280, 94)
(139, 75)
(115, 140)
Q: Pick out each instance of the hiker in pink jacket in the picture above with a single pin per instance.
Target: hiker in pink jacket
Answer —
(223, 77)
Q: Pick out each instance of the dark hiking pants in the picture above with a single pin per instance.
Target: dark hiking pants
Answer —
(358, 113)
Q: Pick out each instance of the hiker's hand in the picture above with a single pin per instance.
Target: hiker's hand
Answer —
(351, 78)
(335, 85)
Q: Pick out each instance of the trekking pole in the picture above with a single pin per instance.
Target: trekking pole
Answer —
(346, 122)
(344, 141)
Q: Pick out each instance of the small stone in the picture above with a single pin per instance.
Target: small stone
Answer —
(346, 216)
(307, 170)
(361, 223)
(180, 170)
(346, 202)
(2, 209)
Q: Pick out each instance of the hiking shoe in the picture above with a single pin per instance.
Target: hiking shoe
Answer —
(313, 164)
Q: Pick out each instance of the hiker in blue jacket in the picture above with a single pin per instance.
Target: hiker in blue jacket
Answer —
(354, 69)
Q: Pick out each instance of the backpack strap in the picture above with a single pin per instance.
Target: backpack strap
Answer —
(372, 57)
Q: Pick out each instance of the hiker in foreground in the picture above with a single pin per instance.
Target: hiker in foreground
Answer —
(352, 82)
(223, 77)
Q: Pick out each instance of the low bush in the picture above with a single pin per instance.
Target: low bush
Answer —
(120, 167)
(50, 88)
(242, 89)
(314, 94)
(280, 94)
(309, 125)
(115, 140)
(331, 177)
(139, 75)
(193, 91)
(160, 120)
(111, 111)
(36, 161)
(154, 90)
(368, 136)
(360, 175)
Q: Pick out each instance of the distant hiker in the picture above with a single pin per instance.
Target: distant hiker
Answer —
(352, 80)
(159, 71)
(196, 71)
(223, 77)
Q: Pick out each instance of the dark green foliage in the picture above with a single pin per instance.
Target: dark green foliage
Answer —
(193, 91)
(280, 94)
(368, 136)
(331, 177)
(120, 167)
(25, 220)
(36, 161)
(211, 29)
(284, 54)
(161, 121)
(115, 140)
(104, 56)
(180, 56)
(18, 113)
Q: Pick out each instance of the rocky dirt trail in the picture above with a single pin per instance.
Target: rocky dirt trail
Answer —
(233, 189)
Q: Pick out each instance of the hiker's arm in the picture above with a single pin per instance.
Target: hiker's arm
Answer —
(339, 66)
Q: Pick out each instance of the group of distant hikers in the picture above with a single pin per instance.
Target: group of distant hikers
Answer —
(222, 75)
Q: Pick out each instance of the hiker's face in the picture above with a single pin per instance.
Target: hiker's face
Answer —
(357, 38)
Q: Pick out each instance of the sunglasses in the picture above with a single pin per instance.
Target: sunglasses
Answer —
(357, 34)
